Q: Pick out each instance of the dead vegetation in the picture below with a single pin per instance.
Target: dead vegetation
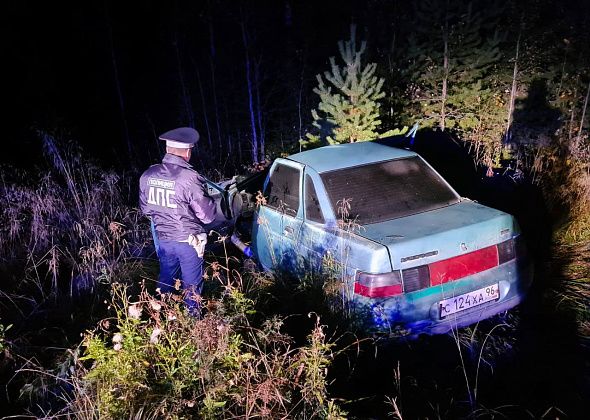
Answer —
(69, 223)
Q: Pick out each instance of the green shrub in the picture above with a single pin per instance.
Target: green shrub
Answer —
(153, 357)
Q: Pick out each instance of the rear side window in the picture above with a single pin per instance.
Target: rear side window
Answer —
(282, 190)
(313, 211)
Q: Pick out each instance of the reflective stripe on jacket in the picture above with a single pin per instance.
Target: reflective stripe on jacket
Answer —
(175, 196)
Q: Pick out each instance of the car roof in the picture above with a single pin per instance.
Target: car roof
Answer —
(329, 158)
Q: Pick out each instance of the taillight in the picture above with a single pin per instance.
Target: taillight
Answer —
(506, 251)
(511, 249)
(439, 272)
(416, 278)
(378, 285)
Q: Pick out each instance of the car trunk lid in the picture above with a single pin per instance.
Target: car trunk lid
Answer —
(434, 236)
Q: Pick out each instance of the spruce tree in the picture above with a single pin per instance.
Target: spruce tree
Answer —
(349, 109)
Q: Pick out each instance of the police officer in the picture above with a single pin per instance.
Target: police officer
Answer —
(175, 197)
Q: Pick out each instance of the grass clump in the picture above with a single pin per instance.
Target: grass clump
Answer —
(563, 170)
(152, 357)
(3, 343)
(575, 192)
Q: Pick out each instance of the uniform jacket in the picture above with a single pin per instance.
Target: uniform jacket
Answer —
(174, 195)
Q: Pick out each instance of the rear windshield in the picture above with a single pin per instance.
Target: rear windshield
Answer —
(387, 190)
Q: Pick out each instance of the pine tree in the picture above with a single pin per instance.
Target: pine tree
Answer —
(349, 110)
(475, 98)
(428, 60)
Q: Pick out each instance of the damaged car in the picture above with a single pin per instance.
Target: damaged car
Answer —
(415, 256)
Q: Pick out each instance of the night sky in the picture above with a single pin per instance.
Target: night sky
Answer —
(63, 57)
(113, 75)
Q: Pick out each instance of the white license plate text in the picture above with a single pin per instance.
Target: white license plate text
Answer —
(469, 300)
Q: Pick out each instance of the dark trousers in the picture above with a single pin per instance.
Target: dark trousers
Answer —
(179, 260)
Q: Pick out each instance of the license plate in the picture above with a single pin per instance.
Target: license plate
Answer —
(469, 300)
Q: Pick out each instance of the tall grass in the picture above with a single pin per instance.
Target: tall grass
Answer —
(67, 224)
(152, 357)
(66, 227)
(562, 169)
(566, 182)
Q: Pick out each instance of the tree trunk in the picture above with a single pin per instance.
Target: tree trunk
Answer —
(562, 72)
(259, 111)
(119, 90)
(391, 70)
(513, 89)
(212, 54)
(240, 157)
(230, 142)
(254, 139)
(204, 105)
(299, 100)
(571, 128)
(446, 74)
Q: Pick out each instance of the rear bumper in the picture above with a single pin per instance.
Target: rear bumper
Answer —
(419, 312)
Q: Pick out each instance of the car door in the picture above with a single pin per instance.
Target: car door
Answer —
(277, 228)
(312, 245)
(328, 248)
(321, 241)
